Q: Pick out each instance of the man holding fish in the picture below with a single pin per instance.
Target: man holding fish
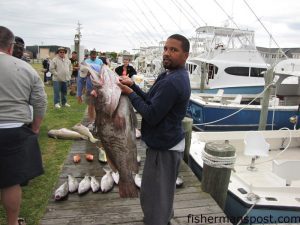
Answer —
(162, 110)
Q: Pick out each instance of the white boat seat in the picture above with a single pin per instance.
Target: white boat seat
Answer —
(218, 96)
(255, 145)
(236, 100)
(287, 169)
(274, 101)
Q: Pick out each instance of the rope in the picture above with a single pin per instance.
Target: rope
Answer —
(248, 211)
(218, 162)
(230, 115)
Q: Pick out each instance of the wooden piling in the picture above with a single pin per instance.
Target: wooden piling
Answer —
(187, 124)
(265, 101)
(215, 180)
(203, 77)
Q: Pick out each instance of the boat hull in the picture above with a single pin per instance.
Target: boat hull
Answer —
(247, 119)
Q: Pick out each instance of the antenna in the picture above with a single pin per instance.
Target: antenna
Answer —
(79, 30)
(183, 12)
(195, 12)
(149, 21)
(166, 11)
(271, 37)
(156, 18)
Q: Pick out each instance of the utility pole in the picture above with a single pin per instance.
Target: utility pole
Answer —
(77, 40)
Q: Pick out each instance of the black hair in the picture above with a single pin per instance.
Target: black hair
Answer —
(74, 52)
(19, 40)
(93, 52)
(185, 44)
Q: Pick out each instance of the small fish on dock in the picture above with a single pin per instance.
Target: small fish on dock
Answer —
(83, 130)
(107, 181)
(73, 184)
(138, 180)
(61, 192)
(84, 185)
(102, 155)
(95, 185)
(65, 133)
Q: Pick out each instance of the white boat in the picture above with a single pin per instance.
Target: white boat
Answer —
(266, 191)
(229, 60)
(222, 112)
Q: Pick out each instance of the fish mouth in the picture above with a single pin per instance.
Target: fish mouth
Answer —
(57, 197)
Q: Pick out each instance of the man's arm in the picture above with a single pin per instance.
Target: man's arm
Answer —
(53, 67)
(38, 100)
(154, 110)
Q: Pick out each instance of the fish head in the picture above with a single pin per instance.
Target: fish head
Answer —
(105, 83)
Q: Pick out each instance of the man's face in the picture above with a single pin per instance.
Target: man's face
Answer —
(18, 50)
(74, 56)
(173, 56)
(93, 57)
(62, 53)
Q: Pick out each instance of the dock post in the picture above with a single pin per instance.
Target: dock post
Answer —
(187, 124)
(215, 180)
(203, 77)
(269, 76)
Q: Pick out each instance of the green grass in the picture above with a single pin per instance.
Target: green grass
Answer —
(54, 152)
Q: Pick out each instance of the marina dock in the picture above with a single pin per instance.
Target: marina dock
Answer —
(109, 208)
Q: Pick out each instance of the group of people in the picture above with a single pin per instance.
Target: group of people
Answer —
(23, 106)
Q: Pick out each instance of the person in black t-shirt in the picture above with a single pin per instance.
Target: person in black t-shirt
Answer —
(125, 69)
(75, 66)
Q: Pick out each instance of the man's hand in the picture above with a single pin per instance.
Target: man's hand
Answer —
(79, 99)
(125, 89)
(126, 81)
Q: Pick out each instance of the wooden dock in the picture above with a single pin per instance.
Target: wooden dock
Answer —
(108, 208)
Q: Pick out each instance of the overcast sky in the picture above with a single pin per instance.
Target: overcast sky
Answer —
(115, 25)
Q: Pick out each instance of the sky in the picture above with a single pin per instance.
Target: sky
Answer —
(117, 25)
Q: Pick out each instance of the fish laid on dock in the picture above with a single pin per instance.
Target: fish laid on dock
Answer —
(83, 130)
(102, 155)
(107, 181)
(84, 185)
(73, 184)
(61, 192)
(116, 177)
(115, 123)
(95, 185)
(138, 180)
(65, 133)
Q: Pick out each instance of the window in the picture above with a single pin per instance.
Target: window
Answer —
(238, 71)
(244, 71)
(257, 72)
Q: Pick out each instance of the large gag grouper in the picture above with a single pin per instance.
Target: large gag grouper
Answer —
(115, 123)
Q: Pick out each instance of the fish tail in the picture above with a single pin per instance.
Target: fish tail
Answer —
(93, 140)
(128, 189)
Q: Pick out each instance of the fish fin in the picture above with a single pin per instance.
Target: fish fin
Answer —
(93, 140)
(111, 164)
(52, 135)
(133, 117)
(128, 189)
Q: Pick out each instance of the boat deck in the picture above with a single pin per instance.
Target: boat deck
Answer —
(109, 208)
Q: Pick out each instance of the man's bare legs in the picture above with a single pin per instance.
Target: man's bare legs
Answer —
(11, 198)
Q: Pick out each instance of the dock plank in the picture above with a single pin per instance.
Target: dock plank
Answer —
(109, 208)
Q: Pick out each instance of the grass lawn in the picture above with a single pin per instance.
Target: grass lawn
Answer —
(54, 152)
